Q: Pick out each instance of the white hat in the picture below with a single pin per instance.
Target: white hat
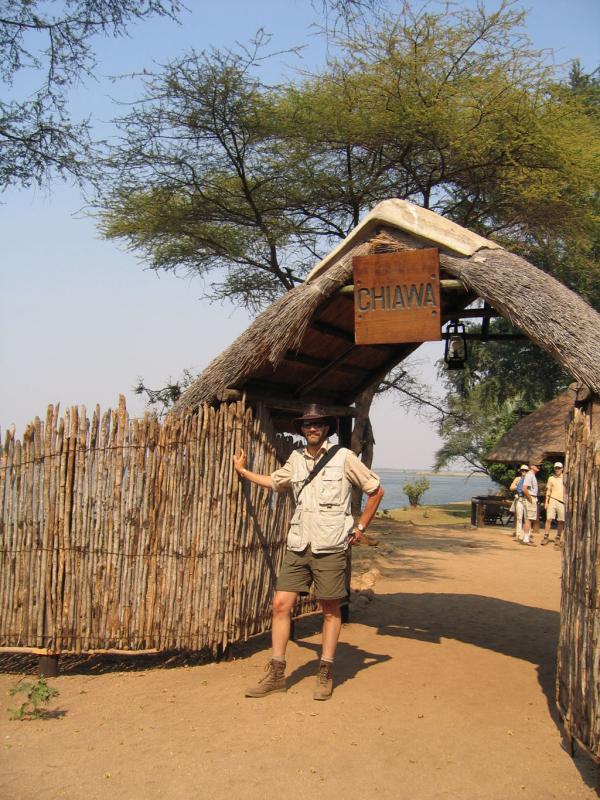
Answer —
(522, 467)
(558, 464)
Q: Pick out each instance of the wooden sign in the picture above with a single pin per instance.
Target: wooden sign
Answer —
(397, 297)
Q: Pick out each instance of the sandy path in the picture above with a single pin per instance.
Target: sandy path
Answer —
(444, 690)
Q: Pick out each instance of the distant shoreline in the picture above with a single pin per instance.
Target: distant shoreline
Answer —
(433, 474)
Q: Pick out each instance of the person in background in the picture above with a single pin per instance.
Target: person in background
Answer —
(517, 504)
(555, 505)
(530, 501)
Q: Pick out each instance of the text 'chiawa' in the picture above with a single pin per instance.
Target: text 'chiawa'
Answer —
(393, 298)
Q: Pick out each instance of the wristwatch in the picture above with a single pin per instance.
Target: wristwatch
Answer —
(360, 527)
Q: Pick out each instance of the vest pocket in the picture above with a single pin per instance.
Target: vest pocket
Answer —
(294, 537)
(331, 531)
(330, 488)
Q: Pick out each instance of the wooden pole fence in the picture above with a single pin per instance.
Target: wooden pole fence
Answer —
(136, 535)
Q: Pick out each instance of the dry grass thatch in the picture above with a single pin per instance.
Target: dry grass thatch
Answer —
(550, 314)
(541, 434)
(278, 329)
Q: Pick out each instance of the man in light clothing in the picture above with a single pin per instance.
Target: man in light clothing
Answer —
(517, 504)
(321, 532)
(555, 504)
(530, 498)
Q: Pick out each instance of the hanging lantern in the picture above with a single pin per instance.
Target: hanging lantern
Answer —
(455, 353)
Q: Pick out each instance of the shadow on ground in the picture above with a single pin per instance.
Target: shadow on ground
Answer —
(404, 552)
(487, 622)
(409, 552)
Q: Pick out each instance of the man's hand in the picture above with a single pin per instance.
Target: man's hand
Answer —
(239, 461)
(354, 537)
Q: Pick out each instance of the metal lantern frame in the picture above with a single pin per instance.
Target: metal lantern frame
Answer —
(455, 331)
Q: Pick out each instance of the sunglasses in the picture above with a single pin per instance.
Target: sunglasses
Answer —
(307, 425)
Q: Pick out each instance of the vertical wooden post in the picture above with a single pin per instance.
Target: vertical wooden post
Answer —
(345, 431)
(578, 672)
(480, 513)
(224, 653)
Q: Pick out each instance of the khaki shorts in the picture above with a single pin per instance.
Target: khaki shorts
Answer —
(530, 507)
(555, 510)
(330, 573)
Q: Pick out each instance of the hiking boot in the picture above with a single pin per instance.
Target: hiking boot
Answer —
(324, 688)
(273, 681)
(545, 541)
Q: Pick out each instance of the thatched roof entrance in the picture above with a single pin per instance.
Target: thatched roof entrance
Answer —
(537, 436)
(302, 348)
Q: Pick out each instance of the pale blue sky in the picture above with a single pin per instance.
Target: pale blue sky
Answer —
(80, 319)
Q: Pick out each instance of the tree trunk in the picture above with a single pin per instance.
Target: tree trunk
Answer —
(362, 438)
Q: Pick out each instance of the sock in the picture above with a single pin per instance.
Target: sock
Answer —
(327, 660)
(278, 658)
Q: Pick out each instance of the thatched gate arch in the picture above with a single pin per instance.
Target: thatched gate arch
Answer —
(302, 348)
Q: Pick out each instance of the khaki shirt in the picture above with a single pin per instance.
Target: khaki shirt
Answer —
(355, 471)
(322, 518)
(555, 488)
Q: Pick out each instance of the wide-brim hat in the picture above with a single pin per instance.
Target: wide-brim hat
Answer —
(313, 412)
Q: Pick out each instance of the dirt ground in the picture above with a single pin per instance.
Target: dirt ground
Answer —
(444, 689)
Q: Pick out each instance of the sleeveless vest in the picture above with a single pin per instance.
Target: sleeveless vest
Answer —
(322, 518)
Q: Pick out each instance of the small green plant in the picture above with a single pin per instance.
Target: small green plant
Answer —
(37, 694)
(414, 491)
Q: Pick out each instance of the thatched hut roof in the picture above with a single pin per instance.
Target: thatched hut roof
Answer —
(537, 436)
(302, 348)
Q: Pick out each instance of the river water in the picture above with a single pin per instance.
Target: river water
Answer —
(444, 488)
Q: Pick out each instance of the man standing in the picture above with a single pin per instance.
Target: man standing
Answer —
(519, 509)
(321, 531)
(555, 504)
(530, 497)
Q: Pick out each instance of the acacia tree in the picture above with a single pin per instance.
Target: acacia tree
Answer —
(248, 184)
(505, 380)
(51, 43)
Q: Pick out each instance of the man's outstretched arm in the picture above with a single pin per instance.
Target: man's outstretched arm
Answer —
(239, 462)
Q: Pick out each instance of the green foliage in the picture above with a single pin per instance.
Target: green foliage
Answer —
(546, 469)
(200, 181)
(248, 184)
(502, 473)
(502, 381)
(414, 491)
(219, 173)
(37, 694)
